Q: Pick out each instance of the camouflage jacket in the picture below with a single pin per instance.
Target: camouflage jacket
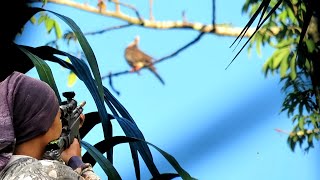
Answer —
(28, 168)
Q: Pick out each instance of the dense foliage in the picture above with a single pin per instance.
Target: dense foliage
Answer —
(291, 27)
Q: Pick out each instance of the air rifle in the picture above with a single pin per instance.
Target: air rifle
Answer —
(70, 118)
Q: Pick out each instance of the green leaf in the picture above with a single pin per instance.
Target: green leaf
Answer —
(291, 143)
(105, 164)
(313, 121)
(258, 40)
(43, 70)
(284, 66)
(44, 2)
(310, 137)
(279, 56)
(72, 78)
(283, 16)
(307, 64)
(310, 45)
(57, 30)
(42, 18)
(284, 43)
(301, 122)
(291, 15)
(293, 67)
(49, 23)
(33, 20)
(267, 65)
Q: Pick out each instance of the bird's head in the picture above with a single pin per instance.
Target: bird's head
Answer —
(135, 41)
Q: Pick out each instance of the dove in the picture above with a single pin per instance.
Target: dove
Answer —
(137, 59)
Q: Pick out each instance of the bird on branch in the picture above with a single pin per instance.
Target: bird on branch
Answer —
(138, 59)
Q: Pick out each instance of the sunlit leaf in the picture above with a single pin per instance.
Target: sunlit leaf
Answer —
(293, 67)
(49, 23)
(72, 79)
(301, 123)
(33, 20)
(284, 66)
(284, 43)
(280, 55)
(291, 15)
(57, 30)
(42, 18)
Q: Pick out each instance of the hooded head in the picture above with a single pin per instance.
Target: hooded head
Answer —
(28, 108)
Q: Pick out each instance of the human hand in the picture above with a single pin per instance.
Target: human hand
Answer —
(82, 118)
(73, 150)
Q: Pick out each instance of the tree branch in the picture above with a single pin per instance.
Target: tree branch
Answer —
(217, 29)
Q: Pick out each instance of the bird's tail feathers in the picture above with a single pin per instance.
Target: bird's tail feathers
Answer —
(153, 70)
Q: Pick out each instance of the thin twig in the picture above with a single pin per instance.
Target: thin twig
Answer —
(180, 49)
(54, 42)
(115, 74)
(130, 7)
(161, 59)
(108, 29)
(112, 87)
(213, 12)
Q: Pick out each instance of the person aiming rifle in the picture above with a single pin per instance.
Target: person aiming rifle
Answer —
(30, 123)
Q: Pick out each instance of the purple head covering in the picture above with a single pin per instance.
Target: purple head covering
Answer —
(28, 107)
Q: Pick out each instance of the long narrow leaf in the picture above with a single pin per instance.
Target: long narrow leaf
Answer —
(43, 70)
(103, 162)
(257, 29)
(91, 119)
(124, 139)
(133, 149)
(165, 176)
(248, 25)
(85, 47)
(132, 130)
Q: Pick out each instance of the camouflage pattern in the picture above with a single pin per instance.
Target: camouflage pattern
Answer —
(28, 168)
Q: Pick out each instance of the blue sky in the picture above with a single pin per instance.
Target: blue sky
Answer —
(217, 123)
